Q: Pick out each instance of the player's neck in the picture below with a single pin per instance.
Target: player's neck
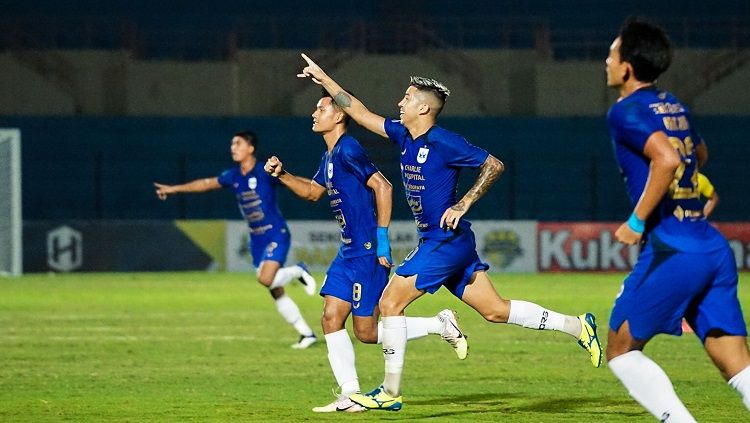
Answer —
(248, 164)
(629, 87)
(419, 127)
(333, 136)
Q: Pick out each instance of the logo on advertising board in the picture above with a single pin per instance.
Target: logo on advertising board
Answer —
(502, 247)
(64, 249)
(583, 246)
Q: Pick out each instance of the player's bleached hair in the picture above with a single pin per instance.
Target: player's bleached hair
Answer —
(428, 84)
(432, 86)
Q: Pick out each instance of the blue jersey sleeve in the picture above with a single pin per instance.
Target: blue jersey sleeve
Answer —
(226, 177)
(320, 174)
(632, 124)
(457, 151)
(395, 131)
(356, 160)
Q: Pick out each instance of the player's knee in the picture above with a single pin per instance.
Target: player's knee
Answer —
(389, 307)
(265, 281)
(331, 321)
(366, 336)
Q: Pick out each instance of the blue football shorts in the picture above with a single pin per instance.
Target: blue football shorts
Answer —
(666, 286)
(357, 280)
(448, 262)
(270, 246)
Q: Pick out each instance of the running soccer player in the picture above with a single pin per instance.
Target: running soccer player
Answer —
(269, 235)
(431, 158)
(360, 199)
(685, 267)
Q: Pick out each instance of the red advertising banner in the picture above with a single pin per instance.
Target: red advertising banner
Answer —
(582, 246)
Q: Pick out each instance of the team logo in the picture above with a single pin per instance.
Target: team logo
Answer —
(252, 182)
(422, 155)
(330, 170)
(368, 245)
(501, 247)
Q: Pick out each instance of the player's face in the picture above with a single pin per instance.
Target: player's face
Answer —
(616, 69)
(241, 149)
(325, 117)
(408, 107)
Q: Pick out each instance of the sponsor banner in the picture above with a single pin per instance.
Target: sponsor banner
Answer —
(738, 235)
(585, 246)
(508, 246)
(579, 246)
(110, 246)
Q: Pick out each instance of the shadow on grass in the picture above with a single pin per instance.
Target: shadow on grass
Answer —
(506, 403)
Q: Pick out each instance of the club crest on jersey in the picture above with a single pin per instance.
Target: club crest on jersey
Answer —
(330, 170)
(252, 183)
(422, 154)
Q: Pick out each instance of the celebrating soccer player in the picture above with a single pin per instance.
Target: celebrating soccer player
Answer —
(269, 235)
(685, 267)
(360, 199)
(431, 158)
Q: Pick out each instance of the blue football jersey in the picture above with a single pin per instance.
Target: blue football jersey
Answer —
(678, 220)
(256, 198)
(344, 173)
(430, 166)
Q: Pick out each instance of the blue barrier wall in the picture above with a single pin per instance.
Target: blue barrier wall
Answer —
(557, 169)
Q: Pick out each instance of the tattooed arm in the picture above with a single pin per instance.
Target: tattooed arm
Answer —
(488, 174)
(351, 105)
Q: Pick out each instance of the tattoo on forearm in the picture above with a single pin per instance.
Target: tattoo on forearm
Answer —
(342, 99)
(460, 206)
(488, 174)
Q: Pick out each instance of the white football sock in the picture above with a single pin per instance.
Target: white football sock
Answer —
(416, 327)
(284, 275)
(741, 382)
(647, 383)
(290, 312)
(534, 316)
(341, 358)
(394, 350)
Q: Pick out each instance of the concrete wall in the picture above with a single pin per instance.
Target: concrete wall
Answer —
(263, 83)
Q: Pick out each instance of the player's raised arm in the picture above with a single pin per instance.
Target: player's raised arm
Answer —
(490, 170)
(198, 185)
(300, 186)
(351, 105)
(383, 191)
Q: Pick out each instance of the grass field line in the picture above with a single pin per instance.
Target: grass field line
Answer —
(41, 316)
(123, 338)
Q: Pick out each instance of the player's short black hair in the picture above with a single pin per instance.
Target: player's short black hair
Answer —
(248, 136)
(432, 86)
(324, 94)
(646, 47)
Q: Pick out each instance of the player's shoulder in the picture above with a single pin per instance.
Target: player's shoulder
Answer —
(439, 135)
(231, 172)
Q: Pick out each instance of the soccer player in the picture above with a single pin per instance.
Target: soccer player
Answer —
(431, 158)
(360, 199)
(708, 194)
(685, 267)
(269, 239)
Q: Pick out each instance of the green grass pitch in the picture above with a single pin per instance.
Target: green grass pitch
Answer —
(211, 347)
